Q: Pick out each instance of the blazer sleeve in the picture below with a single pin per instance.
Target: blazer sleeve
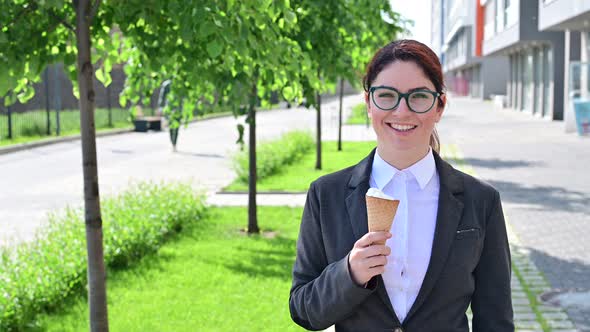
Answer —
(492, 303)
(322, 293)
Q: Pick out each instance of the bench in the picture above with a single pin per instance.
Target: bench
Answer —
(145, 123)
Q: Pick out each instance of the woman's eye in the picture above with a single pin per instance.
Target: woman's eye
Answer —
(419, 95)
(386, 95)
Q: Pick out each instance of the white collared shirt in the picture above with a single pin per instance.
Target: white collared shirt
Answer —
(417, 188)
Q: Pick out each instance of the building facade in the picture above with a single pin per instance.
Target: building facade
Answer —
(467, 72)
(572, 18)
(536, 58)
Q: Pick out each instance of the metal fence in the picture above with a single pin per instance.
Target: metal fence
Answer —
(39, 123)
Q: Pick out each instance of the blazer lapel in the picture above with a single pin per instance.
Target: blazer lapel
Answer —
(450, 209)
(356, 206)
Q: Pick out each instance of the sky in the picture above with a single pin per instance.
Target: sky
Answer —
(419, 12)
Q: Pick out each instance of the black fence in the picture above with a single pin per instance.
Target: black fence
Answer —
(38, 123)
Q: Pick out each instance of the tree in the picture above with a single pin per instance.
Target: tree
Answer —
(340, 36)
(39, 33)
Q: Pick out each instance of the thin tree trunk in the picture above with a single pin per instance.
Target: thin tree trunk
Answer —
(340, 115)
(252, 215)
(318, 157)
(97, 299)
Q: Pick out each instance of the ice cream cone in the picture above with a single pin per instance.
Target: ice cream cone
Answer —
(380, 213)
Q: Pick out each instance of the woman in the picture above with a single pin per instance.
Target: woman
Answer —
(447, 247)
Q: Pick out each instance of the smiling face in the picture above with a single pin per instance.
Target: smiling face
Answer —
(401, 131)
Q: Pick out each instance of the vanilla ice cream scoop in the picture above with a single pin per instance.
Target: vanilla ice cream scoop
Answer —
(381, 210)
(374, 192)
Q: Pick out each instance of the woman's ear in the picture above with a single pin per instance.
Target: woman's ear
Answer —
(441, 107)
(368, 104)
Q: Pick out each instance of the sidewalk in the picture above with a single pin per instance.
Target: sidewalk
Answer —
(543, 178)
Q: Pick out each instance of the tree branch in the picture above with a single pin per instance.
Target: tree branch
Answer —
(61, 20)
(30, 8)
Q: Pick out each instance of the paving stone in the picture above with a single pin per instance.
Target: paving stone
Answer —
(555, 315)
(528, 325)
(562, 324)
(525, 316)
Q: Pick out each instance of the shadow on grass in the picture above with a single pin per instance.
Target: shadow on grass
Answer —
(275, 262)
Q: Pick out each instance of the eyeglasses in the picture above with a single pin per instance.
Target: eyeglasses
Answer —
(387, 98)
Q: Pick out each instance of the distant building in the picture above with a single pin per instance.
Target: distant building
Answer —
(572, 18)
(467, 72)
(536, 58)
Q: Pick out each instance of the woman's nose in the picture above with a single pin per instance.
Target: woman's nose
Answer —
(403, 106)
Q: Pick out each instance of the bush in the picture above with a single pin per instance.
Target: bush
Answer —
(358, 114)
(271, 156)
(40, 274)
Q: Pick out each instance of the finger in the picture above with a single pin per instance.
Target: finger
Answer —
(376, 250)
(372, 237)
(375, 261)
(377, 270)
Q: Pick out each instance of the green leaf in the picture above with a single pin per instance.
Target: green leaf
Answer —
(214, 48)
(290, 17)
(206, 29)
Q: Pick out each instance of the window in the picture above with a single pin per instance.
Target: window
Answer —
(499, 16)
(510, 13)
(488, 29)
(547, 79)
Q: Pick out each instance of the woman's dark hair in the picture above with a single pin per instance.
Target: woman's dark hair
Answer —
(414, 51)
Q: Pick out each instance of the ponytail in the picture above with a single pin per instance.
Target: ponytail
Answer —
(435, 141)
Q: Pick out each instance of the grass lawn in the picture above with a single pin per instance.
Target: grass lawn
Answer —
(298, 176)
(358, 115)
(211, 278)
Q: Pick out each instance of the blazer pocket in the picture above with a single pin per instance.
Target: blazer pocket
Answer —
(465, 248)
(467, 233)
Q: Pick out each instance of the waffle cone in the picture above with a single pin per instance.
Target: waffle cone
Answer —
(380, 213)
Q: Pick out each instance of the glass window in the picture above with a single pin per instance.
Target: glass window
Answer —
(510, 13)
(547, 79)
(537, 74)
(499, 16)
(488, 30)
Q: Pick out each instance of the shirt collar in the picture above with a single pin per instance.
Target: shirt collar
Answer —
(423, 170)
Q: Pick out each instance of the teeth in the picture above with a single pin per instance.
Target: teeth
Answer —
(402, 127)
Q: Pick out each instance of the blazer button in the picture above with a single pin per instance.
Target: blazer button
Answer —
(398, 329)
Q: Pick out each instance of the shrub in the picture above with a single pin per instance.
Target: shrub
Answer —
(271, 156)
(40, 274)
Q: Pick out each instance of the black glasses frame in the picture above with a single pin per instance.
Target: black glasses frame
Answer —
(403, 96)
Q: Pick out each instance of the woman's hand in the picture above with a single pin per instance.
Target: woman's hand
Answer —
(366, 259)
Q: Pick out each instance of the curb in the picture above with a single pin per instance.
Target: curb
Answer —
(49, 141)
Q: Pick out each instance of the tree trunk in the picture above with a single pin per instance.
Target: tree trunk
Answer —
(318, 146)
(252, 215)
(97, 299)
(340, 115)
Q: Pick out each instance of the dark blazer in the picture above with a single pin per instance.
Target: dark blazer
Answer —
(470, 261)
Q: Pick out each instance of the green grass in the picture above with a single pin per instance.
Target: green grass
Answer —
(274, 155)
(211, 278)
(358, 115)
(298, 176)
